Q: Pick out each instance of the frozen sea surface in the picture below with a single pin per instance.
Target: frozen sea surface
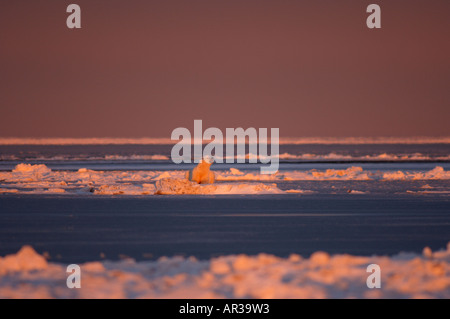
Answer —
(73, 229)
(82, 203)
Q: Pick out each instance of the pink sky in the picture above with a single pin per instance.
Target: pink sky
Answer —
(143, 68)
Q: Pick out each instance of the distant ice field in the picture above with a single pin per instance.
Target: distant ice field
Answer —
(137, 169)
(289, 153)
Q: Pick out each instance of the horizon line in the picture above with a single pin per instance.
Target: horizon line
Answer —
(165, 140)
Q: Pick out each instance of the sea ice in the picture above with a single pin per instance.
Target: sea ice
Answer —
(27, 274)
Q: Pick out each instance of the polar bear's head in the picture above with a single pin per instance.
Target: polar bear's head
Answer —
(208, 159)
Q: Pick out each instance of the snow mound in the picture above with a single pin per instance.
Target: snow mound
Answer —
(171, 186)
(26, 259)
(27, 275)
(8, 190)
(235, 171)
(28, 168)
(124, 189)
(236, 175)
(354, 191)
(351, 173)
(31, 172)
(85, 170)
(299, 191)
(436, 173)
(163, 176)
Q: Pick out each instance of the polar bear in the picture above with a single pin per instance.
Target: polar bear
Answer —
(201, 174)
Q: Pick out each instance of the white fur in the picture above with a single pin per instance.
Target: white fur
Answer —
(201, 174)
